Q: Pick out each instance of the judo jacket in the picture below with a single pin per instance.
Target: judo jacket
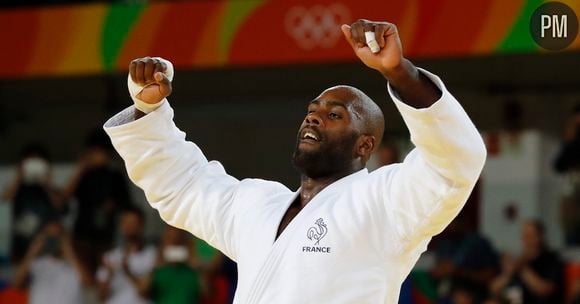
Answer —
(354, 242)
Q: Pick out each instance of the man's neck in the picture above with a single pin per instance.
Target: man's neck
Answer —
(312, 186)
(134, 245)
(309, 188)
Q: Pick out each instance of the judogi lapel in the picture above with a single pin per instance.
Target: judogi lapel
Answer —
(290, 233)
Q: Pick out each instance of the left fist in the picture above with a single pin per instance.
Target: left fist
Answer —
(390, 54)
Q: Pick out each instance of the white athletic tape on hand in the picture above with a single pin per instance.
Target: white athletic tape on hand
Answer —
(372, 42)
(135, 89)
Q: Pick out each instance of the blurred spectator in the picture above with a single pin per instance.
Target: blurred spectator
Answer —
(222, 277)
(512, 116)
(465, 293)
(33, 198)
(52, 269)
(123, 268)
(229, 269)
(536, 277)
(575, 293)
(465, 264)
(568, 162)
(176, 279)
(569, 157)
(101, 192)
(387, 153)
(509, 139)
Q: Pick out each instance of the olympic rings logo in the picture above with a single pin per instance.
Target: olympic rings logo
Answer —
(318, 26)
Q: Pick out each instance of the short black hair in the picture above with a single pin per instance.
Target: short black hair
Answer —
(131, 209)
(97, 138)
(34, 150)
(468, 288)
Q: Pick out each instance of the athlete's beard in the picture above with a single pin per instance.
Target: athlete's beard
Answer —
(332, 156)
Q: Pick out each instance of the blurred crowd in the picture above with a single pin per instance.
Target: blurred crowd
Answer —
(21, 3)
(102, 255)
(568, 163)
(467, 269)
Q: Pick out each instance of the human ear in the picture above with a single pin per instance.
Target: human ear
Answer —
(366, 145)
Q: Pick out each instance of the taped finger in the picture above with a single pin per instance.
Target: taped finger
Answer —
(372, 41)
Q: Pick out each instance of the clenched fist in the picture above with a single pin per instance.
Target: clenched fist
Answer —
(411, 85)
(150, 74)
(390, 55)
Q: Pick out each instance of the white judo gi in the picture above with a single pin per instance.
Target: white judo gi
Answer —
(354, 242)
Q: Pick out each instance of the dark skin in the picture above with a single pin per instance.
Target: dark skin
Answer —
(334, 113)
(355, 111)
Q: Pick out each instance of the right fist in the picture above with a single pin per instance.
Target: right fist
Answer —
(150, 74)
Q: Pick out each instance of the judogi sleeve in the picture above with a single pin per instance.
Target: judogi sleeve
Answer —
(423, 194)
(188, 191)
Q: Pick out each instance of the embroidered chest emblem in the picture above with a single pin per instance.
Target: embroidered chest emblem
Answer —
(317, 233)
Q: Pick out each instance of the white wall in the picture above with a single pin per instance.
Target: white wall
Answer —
(520, 175)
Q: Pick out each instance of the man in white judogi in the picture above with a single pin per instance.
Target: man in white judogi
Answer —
(346, 235)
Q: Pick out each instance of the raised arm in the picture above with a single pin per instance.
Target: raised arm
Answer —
(415, 88)
(188, 191)
(434, 181)
(70, 255)
(422, 195)
(23, 270)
